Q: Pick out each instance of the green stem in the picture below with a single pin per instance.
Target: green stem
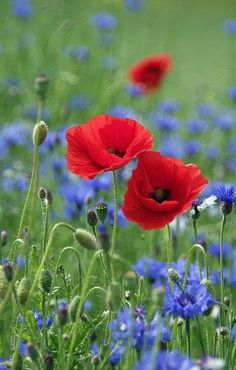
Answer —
(168, 246)
(115, 222)
(223, 221)
(74, 331)
(200, 337)
(197, 251)
(188, 262)
(45, 208)
(187, 327)
(45, 256)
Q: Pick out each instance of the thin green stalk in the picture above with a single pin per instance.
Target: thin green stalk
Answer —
(187, 327)
(47, 250)
(64, 250)
(188, 262)
(223, 221)
(201, 337)
(115, 222)
(168, 246)
(197, 251)
(74, 330)
(45, 208)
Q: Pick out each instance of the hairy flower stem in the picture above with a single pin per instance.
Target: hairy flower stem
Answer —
(45, 208)
(197, 251)
(223, 221)
(168, 246)
(47, 250)
(187, 327)
(74, 330)
(115, 221)
(201, 337)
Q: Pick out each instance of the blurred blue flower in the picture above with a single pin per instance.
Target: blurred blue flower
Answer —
(122, 222)
(225, 121)
(165, 123)
(104, 21)
(232, 91)
(95, 350)
(135, 5)
(109, 63)
(229, 26)
(168, 106)
(155, 271)
(16, 133)
(79, 103)
(214, 250)
(193, 301)
(212, 152)
(196, 126)
(80, 53)
(22, 8)
(192, 147)
(164, 361)
(206, 110)
(172, 146)
(135, 91)
(121, 111)
(32, 112)
(39, 320)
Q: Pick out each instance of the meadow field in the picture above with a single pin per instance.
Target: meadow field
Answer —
(117, 184)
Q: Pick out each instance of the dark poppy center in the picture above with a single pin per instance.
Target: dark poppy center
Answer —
(160, 195)
(153, 69)
(186, 298)
(116, 152)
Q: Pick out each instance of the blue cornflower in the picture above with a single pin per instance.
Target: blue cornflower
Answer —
(79, 103)
(196, 126)
(205, 110)
(232, 92)
(165, 123)
(80, 53)
(32, 112)
(122, 222)
(192, 147)
(135, 5)
(104, 21)
(16, 133)
(212, 152)
(226, 194)
(87, 306)
(172, 147)
(135, 91)
(95, 349)
(22, 8)
(155, 271)
(168, 106)
(225, 121)
(232, 145)
(193, 301)
(39, 320)
(215, 276)
(214, 250)
(229, 26)
(165, 361)
(121, 111)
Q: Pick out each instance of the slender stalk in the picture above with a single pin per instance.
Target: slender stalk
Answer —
(168, 246)
(45, 208)
(187, 327)
(197, 251)
(223, 221)
(74, 330)
(201, 337)
(188, 262)
(115, 222)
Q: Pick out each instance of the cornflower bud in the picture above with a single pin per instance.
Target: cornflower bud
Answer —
(41, 85)
(62, 314)
(23, 290)
(48, 361)
(46, 280)
(102, 209)
(92, 218)
(40, 133)
(8, 271)
(173, 275)
(86, 239)
(3, 238)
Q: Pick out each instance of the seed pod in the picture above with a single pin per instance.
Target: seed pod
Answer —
(46, 280)
(41, 85)
(3, 283)
(101, 209)
(40, 133)
(92, 218)
(3, 238)
(73, 307)
(23, 290)
(86, 239)
(114, 296)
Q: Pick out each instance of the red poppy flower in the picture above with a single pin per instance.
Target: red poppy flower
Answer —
(159, 189)
(150, 71)
(104, 144)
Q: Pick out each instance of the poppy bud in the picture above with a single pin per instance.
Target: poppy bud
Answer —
(48, 361)
(92, 218)
(173, 275)
(23, 290)
(45, 194)
(40, 133)
(3, 283)
(73, 307)
(3, 238)
(8, 271)
(41, 85)
(32, 352)
(114, 296)
(46, 280)
(130, 281)
(101, 209)
(62, 314)
(86, 239)
(226, 208)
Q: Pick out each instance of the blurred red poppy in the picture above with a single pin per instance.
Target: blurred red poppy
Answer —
(159, 189)
(104, 144)
(149, 72)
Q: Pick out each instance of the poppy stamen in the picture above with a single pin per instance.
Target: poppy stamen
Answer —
(116, 152)
(160, 195)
